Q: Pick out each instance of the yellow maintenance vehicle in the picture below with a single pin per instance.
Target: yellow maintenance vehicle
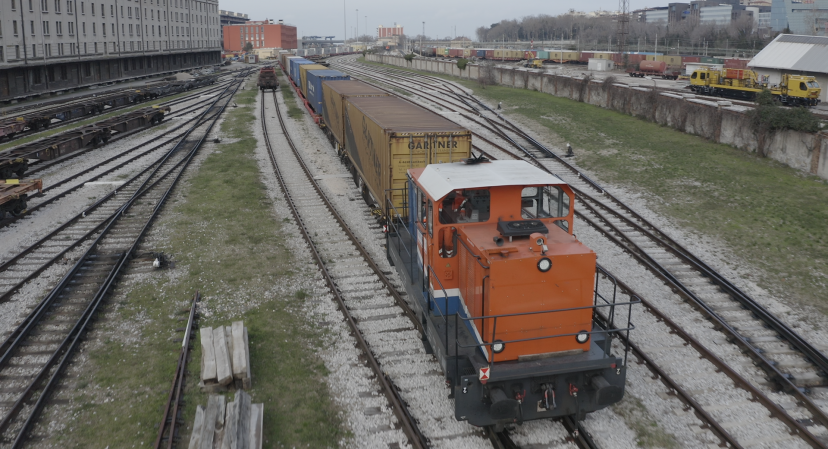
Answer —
(743, 84)
(534, 63)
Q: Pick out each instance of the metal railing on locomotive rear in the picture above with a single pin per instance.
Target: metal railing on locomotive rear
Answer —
(603, 307)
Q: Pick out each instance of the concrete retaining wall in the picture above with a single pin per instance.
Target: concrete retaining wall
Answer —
(694, 115)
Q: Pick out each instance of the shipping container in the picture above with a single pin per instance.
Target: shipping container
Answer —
(530, 54)
(564, 56)
(469, 53)
(686, 59)
(602, 55)
(490, 54)
(585, 56)
(386, 136)
(295, 75)
(711, 60)
(738, 74)
(455, 52)
(481, 53)
(543, 54)
(736, 63)
(315, 78)
(303, 76)
(334, 94)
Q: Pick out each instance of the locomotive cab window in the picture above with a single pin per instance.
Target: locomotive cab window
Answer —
(813, 84)
(694, 75)
(465, 206)
(802, 86)
(545, 202)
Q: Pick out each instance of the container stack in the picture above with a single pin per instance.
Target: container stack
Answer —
(225, 358)
(234, 425)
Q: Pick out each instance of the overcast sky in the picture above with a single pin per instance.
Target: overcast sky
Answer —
(324, 17)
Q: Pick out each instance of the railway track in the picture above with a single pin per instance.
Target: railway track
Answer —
(168, 430)
(58, 189)
(439, 430)
(694, 281)
(36, 351)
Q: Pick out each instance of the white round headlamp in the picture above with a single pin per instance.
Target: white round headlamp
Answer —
(544, 265)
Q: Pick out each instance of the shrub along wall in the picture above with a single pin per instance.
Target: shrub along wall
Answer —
(692, 114)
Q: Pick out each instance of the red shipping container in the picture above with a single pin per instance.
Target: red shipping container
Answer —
(489, 54)
(530, 54)
(686, 59)
(585, 55)
(735, 63)
(737, 74)
(456, 52)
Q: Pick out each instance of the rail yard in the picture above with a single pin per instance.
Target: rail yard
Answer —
(419, 266)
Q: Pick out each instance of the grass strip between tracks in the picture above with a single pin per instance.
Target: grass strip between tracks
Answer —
(768, 213)
(228, 244)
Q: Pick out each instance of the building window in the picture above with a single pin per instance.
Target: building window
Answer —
(93, 8)
(17, 51)
(83, 27)
(94, 29)
(83, 10)
(34, 50)
(59, 28)
(45, 28)
(71, 28)
(57, 6)
(85, 49)
(31, 27)
(96, 47)
(44, 5)
(103, 29)
(14, 5)
(129, 11)
(112, 10)
(14, 27)
(31, 8)
(69, 6)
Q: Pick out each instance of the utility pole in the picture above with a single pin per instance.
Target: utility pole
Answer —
(655, 52)
(344, 23)
(421, 40)
(356, 31)
(623, 28)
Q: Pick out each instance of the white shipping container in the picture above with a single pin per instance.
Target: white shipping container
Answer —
(691, 66)
(600, 65)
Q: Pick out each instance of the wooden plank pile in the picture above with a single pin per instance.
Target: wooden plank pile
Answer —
(225, 358)
(234, 425)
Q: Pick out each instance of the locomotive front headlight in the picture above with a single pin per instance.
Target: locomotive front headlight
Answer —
(544, 265)
(498, 346)
(582, 337)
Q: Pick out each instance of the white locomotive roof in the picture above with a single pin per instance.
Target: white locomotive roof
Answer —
(440, 179)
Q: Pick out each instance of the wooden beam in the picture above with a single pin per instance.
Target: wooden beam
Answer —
(195, 437)
(224, 373)
(208, 356)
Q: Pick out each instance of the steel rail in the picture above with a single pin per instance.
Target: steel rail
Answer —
(9, 220)
(777, 411)
(169, 421)
(810, 352)
(5, 296)
(102, 292)
(415, 437)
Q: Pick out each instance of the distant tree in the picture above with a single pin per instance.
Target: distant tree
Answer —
(248, 47)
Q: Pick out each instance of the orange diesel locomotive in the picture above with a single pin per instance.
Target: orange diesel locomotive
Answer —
(508, 296)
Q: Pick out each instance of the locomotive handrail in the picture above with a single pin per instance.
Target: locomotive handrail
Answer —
(476, 256)
(399, 239)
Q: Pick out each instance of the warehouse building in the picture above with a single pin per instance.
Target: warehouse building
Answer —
(52, 45)
(261, 34)
(796, 55)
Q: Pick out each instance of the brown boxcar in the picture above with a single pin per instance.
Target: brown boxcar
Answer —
(334, 94)
(386, 136)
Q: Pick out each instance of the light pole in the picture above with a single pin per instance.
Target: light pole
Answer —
(421, 40)
(356, 31)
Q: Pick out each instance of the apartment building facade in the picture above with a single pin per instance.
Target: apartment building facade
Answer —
(50, 45)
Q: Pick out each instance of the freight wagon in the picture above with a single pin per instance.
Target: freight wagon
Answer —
(315, 78)
(385, 136)
(303, 76)
(15, 162)
(334, 98)
(267, 79)
(15, 193)
(654, 69)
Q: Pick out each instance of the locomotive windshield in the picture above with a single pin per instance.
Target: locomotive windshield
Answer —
(545, 202)
(465, 206)
(813, 84)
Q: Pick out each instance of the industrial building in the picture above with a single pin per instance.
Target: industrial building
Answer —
(51, 45)
(261, 34)
(809, 17)
(797, 55)
(230, 18)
